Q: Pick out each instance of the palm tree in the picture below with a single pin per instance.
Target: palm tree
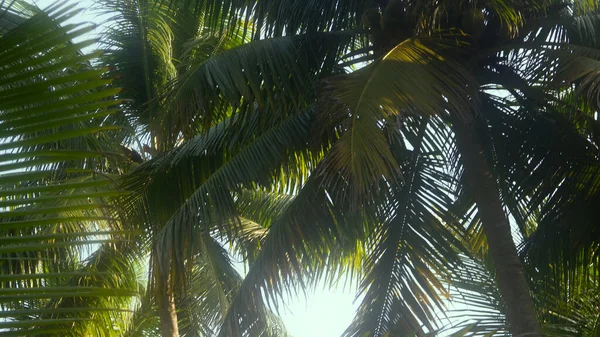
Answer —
(73, 263)
(449, 60)
(206, 115)
(447, 75)
(265, 142)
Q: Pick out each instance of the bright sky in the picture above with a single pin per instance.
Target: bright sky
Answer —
(324, 312)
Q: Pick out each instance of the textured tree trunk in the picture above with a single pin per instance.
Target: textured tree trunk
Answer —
(167, 312)
(509, 272)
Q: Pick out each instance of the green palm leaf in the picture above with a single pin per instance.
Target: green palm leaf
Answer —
(280, 17)
(415, 77)
(54, 207)
(275, 74)
(411, 250)
(201, 178)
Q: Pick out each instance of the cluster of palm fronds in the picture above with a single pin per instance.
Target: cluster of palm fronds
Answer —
(445, 154)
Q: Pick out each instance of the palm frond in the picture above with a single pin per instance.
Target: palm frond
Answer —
(549, 187)
(54, 206)
(415, 77)
(257, 211)
(201, 178)
(214, 284)
(577, 316)
(411, 251)
(138, 45)
(277, 267)
(476, 308)
(223, 75)
(277, 18)
(314, 238)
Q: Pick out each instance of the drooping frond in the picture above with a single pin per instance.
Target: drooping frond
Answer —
(549, 187)
(221, 76)
(257, 211)
(144, 321)
(222, 161)
(296, 246)
(475, 307)
(193, 188)
(411, 251)
(415, 77)
(214, 283)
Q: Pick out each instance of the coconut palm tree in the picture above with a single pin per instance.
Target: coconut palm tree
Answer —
(444, 63)
(208, 105)
(250, 84)
(73, 258)
(255, 132)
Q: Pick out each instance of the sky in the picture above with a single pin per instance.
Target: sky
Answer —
(323, 312)
(326, 313)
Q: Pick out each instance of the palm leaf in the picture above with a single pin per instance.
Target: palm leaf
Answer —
(221, 74)
(476, 308)
(411, 250)
(54, 207)
(280, 17)
(415, 77)
(201, 177)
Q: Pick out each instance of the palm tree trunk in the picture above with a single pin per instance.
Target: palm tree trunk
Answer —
(509, 272)
(167, 312)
